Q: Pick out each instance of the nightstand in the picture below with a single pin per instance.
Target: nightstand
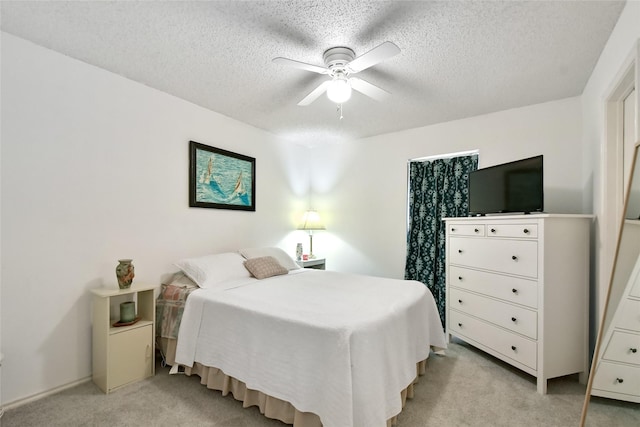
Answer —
(123, 354)
(316, 263)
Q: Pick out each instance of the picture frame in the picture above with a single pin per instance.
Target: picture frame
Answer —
(221, 179)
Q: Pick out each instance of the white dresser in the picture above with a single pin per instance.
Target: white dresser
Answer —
(518, 288)
(617, 374)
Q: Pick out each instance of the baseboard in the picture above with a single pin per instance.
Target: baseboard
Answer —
(25, 400)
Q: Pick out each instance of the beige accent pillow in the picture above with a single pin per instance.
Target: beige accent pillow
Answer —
(281, 256)
(264, 267)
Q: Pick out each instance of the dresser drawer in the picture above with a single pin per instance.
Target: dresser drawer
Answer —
(524, 231)
(623, 347)
(517, 257)
(513, 346)
(508, 288)
(509, 316)
(629, 315)
(466, 229)
(617, 378)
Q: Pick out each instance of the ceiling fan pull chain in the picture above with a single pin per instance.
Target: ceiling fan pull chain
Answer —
(340, 110)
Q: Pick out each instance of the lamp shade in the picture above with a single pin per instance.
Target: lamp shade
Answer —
(311, 221)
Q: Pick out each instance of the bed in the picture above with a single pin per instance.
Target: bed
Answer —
(308, 347)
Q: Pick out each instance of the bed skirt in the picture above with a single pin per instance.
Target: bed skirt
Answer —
(269, 406)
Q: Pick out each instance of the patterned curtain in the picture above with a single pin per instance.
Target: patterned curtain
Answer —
(437, 189)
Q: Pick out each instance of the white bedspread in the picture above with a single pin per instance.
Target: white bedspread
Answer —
(339, 345)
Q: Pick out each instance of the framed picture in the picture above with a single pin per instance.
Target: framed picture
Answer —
(221, 179)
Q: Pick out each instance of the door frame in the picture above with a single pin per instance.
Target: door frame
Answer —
(612, 166)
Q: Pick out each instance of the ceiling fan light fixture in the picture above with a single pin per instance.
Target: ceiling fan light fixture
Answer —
(339, 90)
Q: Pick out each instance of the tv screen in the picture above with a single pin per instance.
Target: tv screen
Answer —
(509, 187)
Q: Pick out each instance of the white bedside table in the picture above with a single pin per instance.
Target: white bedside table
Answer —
(317, 263)
(122, 355)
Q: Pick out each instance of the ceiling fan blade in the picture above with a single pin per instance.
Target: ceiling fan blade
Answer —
(376, 55)
(314, 94)
(368, 89)
(300, 65)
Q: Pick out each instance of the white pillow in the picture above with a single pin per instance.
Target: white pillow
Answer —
(211, 270)
(281, 256)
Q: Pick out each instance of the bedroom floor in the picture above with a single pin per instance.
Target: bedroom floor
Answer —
(465, 388)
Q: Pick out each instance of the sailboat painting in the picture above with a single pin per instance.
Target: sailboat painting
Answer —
(221, 179)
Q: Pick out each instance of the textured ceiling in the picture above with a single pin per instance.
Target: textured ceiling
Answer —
(458, 59)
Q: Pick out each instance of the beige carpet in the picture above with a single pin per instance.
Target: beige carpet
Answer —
(465, 388)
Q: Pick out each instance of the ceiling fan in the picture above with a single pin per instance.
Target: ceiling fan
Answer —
(340, 64)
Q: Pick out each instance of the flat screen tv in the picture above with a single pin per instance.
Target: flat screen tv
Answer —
(508, 187)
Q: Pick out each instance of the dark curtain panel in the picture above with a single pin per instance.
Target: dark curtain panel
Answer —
(437, 189)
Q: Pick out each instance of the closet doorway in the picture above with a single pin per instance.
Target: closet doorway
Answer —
(437, 187)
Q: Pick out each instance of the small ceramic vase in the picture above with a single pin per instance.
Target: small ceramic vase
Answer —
(125, 273)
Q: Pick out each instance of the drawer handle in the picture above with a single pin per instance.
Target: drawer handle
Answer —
(513, 257)
(453, 229)
(633, 350)
(459, 251)
(514, 290)
(493, 230)
(619, 380)
(513, 347)
(526, 231)
(476, 230)
(460, 325)
(460, 301)
(460, 278)
(513, 319)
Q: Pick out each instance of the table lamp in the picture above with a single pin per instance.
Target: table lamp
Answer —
(311, 221)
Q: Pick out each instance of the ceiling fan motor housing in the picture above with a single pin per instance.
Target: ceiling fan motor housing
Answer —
(337, 58)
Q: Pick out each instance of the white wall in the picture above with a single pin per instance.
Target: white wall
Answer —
(621, 44)
(95, 168)
(360, 188)
(1, 354)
